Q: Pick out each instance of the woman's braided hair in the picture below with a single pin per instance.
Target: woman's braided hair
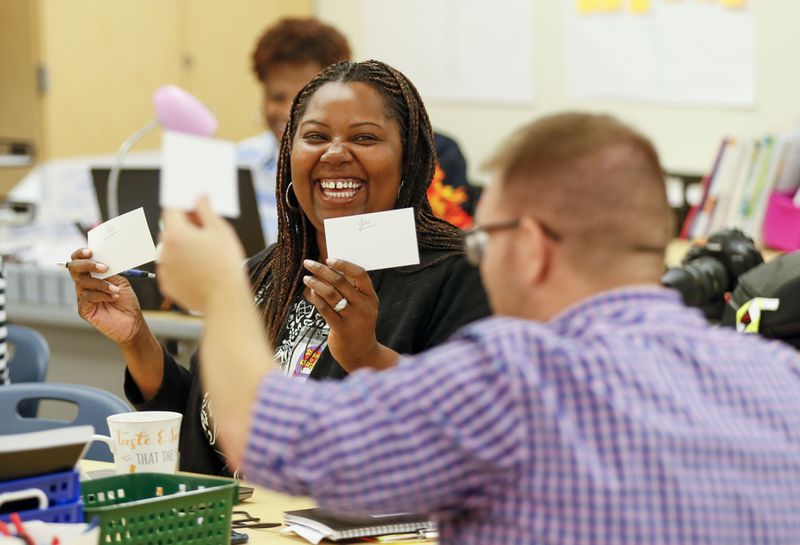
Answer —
(279, 275)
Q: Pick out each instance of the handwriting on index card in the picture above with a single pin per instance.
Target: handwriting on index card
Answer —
(110, 231)
(364, 224)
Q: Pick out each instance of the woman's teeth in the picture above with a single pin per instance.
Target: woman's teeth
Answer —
(340, 184)
(339, 189)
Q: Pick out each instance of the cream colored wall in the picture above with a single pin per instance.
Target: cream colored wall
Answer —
(686, 137)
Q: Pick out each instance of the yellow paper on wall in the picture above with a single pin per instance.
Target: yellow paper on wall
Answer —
(586, 7)
(735, 4)
(640, 7)
(610, 5)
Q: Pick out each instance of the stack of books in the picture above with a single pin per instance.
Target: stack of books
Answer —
(744, 176)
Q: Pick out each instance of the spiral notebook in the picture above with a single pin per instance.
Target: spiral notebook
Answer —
(337, 527)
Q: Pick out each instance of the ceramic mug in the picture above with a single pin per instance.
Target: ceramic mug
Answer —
(145, 441)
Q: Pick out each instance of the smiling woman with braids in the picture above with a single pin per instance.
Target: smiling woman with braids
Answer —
(358, 140)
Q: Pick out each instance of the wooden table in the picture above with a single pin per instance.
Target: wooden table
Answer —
(264, 504)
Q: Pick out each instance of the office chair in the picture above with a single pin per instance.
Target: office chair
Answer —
(29, 362)
(31, 354)
(94, 405)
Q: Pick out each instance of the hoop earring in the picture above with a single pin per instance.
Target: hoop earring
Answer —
(400, 189)
(289, 205)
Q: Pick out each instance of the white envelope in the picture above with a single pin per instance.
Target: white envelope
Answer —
(193, 166)
(380, 240)
(122, 243)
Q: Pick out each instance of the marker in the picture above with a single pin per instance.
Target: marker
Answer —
(131, 273)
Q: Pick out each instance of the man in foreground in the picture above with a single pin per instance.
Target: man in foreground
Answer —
(595, 408)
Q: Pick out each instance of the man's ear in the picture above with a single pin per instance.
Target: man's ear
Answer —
(534, 250)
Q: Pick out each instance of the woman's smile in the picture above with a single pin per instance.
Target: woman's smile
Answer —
(339, 190)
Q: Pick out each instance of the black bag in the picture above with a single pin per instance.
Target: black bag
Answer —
(752, 306)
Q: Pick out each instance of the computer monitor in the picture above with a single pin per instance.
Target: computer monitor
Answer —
(139, 187)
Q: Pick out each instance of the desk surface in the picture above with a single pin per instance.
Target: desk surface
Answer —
(265, 504)
(678, 248)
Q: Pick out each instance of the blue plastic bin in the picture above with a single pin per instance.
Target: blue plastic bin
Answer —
(59, 492)
(60, 488)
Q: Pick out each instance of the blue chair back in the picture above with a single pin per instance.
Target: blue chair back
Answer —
(94, 405)
(29, 362)
(31, 354)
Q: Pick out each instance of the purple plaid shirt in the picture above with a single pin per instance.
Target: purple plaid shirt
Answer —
(625, 420)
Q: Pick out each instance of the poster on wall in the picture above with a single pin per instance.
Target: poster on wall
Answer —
(455, 50)
(683, 52)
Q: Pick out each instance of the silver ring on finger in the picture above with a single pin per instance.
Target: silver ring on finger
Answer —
(341, 305)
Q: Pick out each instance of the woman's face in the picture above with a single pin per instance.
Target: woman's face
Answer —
(346, 154)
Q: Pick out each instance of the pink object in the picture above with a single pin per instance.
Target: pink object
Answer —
(179, 111)
(782, 223)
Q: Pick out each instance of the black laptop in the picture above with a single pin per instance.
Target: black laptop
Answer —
(140, 187)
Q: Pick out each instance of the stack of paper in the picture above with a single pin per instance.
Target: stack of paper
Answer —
(314, 525)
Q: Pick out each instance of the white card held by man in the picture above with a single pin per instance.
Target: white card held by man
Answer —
(122, 243)
(381, 240)
(193, 166)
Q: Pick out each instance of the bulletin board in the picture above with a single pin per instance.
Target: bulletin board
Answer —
(687, 52)
(456, 50)
(686, 100)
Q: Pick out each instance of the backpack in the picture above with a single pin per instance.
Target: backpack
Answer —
(766, 300)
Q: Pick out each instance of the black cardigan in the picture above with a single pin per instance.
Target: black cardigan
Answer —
(420, 307)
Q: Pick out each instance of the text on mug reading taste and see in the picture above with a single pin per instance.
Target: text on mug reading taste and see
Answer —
(143, 438)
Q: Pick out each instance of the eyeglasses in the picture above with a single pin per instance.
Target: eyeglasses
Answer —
(476, 239)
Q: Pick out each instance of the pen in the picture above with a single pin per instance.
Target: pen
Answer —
(137, 273)
(129, 273)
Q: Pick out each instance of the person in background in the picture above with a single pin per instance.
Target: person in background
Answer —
(285, 58)
(595, 408)
(358, 140)
(3, 331)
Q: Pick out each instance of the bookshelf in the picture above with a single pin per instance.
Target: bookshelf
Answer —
(752, 185)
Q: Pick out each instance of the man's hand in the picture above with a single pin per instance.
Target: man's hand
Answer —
(200, 258)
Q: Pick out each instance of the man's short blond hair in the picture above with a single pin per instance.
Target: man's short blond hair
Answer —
(594, 181)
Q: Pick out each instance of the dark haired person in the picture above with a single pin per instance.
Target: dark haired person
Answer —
(358, 140)
(287, 55)
(595, 408)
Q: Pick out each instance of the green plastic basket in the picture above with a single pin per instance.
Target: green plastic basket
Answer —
(160, 509)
